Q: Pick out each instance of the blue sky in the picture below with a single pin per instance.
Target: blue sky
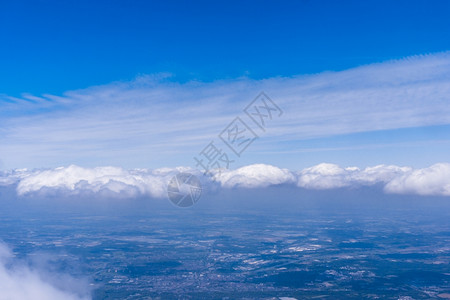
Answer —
(56, 46)
(150, 84)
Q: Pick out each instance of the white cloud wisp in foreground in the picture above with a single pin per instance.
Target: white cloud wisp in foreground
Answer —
(21, 282)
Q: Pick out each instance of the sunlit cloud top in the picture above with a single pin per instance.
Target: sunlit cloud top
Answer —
(121, 183)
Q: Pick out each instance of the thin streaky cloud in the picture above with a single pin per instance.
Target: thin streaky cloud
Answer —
(150, 113)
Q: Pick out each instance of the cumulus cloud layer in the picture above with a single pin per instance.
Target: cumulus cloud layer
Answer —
(109, 180)
(434, 180)
(258, 175)
(20, 282)
(113, 181)
(328, 176)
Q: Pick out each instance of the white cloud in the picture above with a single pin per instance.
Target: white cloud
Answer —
(328, 176)
(325, 176)
(102, 180)
(20, 282)
(113, 181)
(434, 180)
(253, 176)
(153, 120)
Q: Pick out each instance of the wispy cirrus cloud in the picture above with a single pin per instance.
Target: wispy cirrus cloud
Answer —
(152, 120)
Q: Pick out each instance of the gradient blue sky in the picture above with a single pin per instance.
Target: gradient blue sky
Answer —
(56, 46)
(76, 78)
